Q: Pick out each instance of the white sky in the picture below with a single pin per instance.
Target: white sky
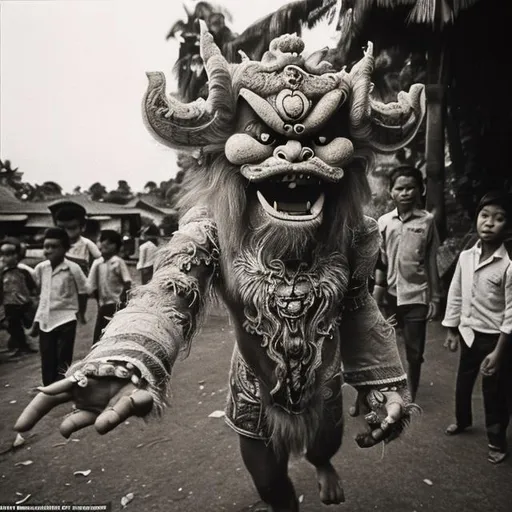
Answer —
(72, 80)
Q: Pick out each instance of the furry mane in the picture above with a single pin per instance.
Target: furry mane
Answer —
(218, 185)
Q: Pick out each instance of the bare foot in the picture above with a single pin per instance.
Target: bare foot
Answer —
(329, 485)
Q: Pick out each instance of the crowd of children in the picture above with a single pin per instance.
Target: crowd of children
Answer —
(51, 298)
(478, 315)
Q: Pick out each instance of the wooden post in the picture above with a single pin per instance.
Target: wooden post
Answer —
(434, 154)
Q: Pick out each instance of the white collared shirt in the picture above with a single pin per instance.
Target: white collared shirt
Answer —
(60, 287)
(83, 251)
(480, 294)
(147, 252)
(408, 250)
(109, 278)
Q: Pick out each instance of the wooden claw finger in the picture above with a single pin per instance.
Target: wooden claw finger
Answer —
(61, 386)
(76, 421)
(113, 416)
(142, 402)
(39, 407)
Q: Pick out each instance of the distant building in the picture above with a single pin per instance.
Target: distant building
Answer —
(151, 207)
(28, 220)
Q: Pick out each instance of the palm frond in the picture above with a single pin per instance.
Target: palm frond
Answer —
(287, 19)
(321, 12)
(422, 11)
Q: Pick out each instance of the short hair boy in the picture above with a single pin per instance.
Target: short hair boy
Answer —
(109, 280)
(479, 320)
(407, 273)
(72, 217)
(63, 294)
(17, 292)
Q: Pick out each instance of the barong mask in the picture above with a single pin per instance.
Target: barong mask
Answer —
(289, 123)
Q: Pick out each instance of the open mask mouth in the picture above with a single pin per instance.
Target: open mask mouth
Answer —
(292, 197)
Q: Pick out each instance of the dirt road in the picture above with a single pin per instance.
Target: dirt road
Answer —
(189, 461)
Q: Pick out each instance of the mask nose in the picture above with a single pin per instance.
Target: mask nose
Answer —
(293, 151)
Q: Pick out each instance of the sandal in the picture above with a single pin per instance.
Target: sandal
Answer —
(496, 456)
(454, 429)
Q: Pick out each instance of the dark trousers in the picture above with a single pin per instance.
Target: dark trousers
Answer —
(495, 389)
(56, 348)
(412, 319)
(15, 326)
(105, 313)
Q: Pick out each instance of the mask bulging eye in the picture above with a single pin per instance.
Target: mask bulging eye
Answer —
(266, 138)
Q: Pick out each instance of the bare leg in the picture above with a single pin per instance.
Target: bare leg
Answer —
(269, 474)
(325, 446)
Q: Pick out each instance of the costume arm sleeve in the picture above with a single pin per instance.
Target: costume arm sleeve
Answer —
(368, 345)
(162, 316)
(454, 300)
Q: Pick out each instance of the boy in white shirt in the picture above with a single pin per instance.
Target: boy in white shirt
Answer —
(479, 320)
(109, 280)
(147, 252)
(63, 288)
(71, 217)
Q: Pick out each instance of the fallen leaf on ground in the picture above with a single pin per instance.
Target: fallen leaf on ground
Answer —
(216, 414)
(87, 472)
(12, 402)
(19, 502)
(301, 498)
(18, 441)
(126, 499)
(24, 463)
(428, 482)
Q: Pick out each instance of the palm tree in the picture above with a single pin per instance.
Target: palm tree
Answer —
(189, 67)
(464, 71)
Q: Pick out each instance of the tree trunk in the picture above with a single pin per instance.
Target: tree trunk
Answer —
(436, 112)
(434, 154)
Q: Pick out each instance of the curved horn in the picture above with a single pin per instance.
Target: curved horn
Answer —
(382, 126)
(199, 123)
(394, 125)
(361, 85)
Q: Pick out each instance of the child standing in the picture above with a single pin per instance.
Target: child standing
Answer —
(71, 217)
(479, 320)
(406, 276)
(63, 288)
(147, 253)
(109, 280)
(17, 293)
